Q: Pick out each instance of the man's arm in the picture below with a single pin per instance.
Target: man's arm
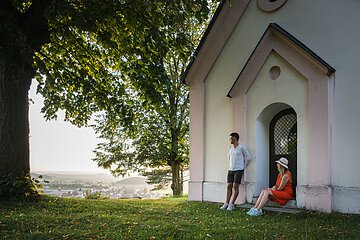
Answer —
(247, 155)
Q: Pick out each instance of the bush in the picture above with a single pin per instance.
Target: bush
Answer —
(93, 195)
(19, 188)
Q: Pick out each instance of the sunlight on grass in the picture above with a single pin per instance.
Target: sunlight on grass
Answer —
(167, 218)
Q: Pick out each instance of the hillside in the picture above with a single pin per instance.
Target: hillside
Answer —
(133, 181)
(74, 176)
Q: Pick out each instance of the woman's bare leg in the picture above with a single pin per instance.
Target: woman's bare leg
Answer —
(264, 199)
(259, 198)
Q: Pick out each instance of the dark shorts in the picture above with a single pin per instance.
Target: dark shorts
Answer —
(235, 176)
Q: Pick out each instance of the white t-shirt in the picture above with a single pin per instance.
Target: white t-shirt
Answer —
(237, 157)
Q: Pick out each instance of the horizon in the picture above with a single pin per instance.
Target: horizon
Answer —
(77, 172)
(61, 171)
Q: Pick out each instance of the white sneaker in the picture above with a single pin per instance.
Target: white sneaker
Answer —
(230, 207)
(250, 211)
(256, 212)
(224, 207)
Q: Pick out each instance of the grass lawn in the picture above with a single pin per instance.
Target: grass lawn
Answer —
(168, 218)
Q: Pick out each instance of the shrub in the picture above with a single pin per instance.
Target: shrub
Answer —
(93, 195)
(23, 187)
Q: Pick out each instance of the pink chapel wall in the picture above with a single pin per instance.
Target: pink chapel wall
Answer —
(317, 194)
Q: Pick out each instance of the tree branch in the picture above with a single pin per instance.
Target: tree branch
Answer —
(35, 24)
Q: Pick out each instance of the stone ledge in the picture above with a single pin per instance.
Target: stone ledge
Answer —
(274, 209)
(289, 204)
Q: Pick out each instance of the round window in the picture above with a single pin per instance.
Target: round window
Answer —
(270, 5)
(274, 72)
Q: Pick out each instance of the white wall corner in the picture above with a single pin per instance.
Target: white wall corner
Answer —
(319, 198)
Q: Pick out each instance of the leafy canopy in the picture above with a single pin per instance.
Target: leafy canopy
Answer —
(119, 59)
(97, 47)
(158, 134)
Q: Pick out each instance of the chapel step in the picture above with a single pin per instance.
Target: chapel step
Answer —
(274, 209)
(289, 204)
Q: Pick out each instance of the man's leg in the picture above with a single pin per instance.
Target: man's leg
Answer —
(236, 183)
(229, 192)
(230, 180)
(235, 191)
(235, 188)
(228, 196)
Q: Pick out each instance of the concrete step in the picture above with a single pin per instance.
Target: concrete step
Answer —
(289, 204)
(274, 209)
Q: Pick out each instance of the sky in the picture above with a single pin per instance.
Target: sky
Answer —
(57, 145)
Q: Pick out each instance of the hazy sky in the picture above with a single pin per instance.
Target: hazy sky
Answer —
(59, 145)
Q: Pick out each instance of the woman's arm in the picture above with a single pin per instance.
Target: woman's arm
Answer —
(283, 183)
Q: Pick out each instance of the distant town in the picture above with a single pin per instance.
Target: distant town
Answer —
(80, 185)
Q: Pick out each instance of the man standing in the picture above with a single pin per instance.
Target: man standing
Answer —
(239, 158)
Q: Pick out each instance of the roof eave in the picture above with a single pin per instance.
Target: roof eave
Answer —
(202, 40)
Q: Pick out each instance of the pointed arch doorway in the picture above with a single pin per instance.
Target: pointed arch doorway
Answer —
(283, 143)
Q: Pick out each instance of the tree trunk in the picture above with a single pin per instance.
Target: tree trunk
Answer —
(21, 35)
(15, 80)
(176, 184)
(182, 177)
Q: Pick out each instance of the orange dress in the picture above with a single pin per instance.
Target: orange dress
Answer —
(283, 196)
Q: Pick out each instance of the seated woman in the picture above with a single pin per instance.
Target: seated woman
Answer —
(280, 193)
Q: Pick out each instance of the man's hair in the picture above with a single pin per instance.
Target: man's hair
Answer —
(235, 135)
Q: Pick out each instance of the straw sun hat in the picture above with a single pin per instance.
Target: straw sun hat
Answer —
(283, 162)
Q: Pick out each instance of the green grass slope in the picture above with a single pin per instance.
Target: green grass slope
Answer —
(168, 218)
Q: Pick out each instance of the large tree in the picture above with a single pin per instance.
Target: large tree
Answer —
(157, 137)
(79, 52)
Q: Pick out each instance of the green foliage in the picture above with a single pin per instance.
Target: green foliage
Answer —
(168, 218)
(157, 135)
(97, 47)
(120, 60)
(159, 177)
(21, 5)
(93, 195)
(21, 188)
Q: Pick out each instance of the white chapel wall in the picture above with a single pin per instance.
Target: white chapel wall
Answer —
(289, 88)
(330, 29)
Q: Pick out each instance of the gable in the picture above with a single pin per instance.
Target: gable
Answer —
(277, 39)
